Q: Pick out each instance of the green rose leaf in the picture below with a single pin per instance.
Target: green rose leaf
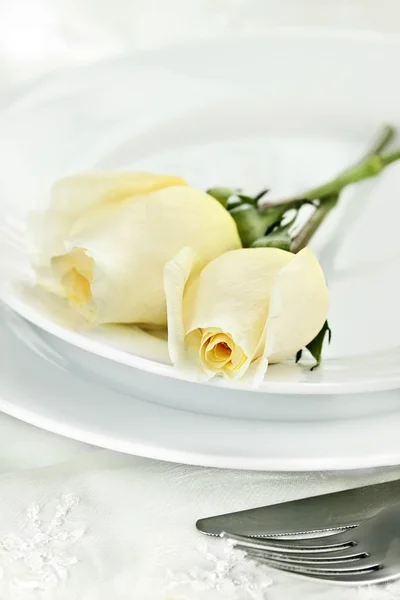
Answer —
(278, 239)
(247, 199)
(222, 194)
(253, 224)
(261, 194)
(249, 222)
(316, 345)
(234, 201)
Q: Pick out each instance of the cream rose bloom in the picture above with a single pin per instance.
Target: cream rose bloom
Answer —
(106, 238)
(247, 308)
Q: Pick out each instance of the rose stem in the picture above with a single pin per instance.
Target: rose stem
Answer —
(370, 166)
(383, 140)
(305, 234)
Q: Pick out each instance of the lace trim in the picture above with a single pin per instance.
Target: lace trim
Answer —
(39, 558)
(225, 572)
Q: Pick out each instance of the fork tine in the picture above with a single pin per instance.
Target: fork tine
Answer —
(346, 570)
(376, 577)
(323, 568)
(316, 559)
(312, 545)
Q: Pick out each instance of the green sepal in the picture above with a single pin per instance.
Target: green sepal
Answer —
(279, 239)
(316, 345)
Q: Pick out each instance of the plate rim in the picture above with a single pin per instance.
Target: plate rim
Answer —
(205, 457)
(157, 368)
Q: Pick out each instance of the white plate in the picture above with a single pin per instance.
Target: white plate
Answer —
(249, 113)
(36, 386)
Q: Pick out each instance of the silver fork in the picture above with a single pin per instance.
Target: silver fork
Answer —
(368, 554)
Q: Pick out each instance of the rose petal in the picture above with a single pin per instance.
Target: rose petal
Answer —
(183, 351)
(299, 306)
(77, 193)
(269, 302)
(231, 295)
(79, 196)
(131, 244)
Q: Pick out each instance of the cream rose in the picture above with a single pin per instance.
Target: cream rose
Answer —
(106, 238)
(244, 310)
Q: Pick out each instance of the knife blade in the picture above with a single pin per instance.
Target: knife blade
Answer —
(327, 512)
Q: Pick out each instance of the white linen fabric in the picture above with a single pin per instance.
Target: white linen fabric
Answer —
(78, 523)
(97, 525)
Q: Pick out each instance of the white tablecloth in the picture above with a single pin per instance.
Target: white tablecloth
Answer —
(87, 524)
(83, 523)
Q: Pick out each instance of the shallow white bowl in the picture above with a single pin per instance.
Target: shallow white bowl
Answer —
(289, 111)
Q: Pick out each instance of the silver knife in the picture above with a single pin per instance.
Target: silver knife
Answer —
(338, 510)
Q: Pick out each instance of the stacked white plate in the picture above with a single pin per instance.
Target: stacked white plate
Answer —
(287, 111)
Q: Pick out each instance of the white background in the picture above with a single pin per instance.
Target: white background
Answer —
(37, 35)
